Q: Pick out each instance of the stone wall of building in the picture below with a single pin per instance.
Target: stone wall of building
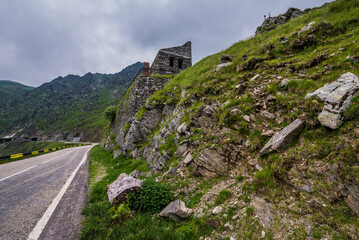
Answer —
(173, 60)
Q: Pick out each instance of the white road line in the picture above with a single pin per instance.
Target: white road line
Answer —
(17, 173)
(40, 226)
(57, 157)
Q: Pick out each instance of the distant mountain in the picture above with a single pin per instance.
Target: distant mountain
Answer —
(64, 108)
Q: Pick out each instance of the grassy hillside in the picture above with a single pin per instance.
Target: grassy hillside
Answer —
(309, 190)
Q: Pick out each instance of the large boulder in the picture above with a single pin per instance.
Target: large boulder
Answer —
(210, 164)
(123, 185)
(176, 210)
(337, 97)
(282, 138)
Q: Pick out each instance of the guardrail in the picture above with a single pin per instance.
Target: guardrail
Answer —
(19, 155)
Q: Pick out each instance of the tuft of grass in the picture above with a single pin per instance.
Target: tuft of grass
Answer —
(222, 197)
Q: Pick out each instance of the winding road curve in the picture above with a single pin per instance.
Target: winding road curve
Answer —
(42, 197)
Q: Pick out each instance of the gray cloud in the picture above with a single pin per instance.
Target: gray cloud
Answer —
(40, 40)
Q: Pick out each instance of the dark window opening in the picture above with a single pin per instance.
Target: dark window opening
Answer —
(172, 60)
(180, 63)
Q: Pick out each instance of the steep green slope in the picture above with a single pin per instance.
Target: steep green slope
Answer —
(202, 134)
(67, 106)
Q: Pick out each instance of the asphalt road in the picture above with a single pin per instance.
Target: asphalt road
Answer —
(42, 197)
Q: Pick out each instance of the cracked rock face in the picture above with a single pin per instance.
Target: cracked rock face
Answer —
(282, 138)
(337, 97)
(210, 164)
(176, 210)
(123, 185)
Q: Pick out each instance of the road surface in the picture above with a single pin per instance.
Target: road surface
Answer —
(42, 197)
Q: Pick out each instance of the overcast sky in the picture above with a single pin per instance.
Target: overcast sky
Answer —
(43, 39)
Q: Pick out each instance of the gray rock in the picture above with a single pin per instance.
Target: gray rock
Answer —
(337, 97)
(170, 173)
(137, 173)
(263, 211)
(226, 58)
(282, 138)
(222, 65)
(268, 115)
(268, 133)
(182, 128)
(123, 185)
(353, 198)
(271, 98)
(133, 136)
(117, 153)
(150, 121)
(188, 158)
(217, 210)
(176, 210)
(181, 150)
(210, 163)
(209, 111)
(246, 118)
(306, 27)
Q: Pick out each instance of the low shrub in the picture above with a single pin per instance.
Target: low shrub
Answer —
(152, 197)
(222, 197)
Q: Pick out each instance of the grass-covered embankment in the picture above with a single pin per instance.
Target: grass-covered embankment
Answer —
(100, 222)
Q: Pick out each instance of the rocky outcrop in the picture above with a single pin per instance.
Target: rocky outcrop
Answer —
(135, 97)
(176, 210)
(282, 138)
(210, 164)
(337, 97)
(263, 211)
(123, 185)
(273, 22)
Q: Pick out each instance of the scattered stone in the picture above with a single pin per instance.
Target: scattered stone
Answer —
(246, 118)
(136, 174)
(271, 98)
(255, 77)
(117, 153)
(263, 211)
(222, 65)
(217, 210)
(263, 234)
(210, 164)
(227, 225)
(284, 82)
(353, 198)
(176, 210)
(306, 28)
(209, 111)
(181, 150)
(282, 138)
(170, 173)
(268, 133)
(182, 128)
(212, 223)
(187, 159)
(337, 97)
(226, 58)
(267, 115)
(123, 185)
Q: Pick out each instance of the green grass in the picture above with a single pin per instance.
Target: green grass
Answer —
(98, 223)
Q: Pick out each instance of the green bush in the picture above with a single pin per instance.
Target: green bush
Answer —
(110, 113)
(222, 197)
(152, 197)
(264, 178)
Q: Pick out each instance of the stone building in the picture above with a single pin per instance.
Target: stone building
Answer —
(172, 60)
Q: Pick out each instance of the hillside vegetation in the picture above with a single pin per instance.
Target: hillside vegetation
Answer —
(201, 135)
(64, 108)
